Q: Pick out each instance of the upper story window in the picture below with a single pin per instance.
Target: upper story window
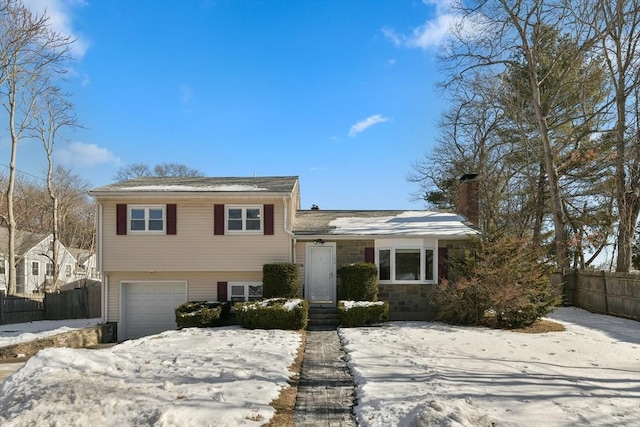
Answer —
(2, 266)
(48, 269)
(146, 219)
(244, 219)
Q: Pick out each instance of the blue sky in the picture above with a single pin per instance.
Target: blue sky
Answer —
(340, 93)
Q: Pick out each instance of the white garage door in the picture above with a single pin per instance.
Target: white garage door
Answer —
(149, 307)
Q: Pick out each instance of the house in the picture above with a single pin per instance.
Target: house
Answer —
(164, 241)
(86, 264)
(34, 262)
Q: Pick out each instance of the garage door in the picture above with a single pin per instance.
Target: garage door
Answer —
(149, 307)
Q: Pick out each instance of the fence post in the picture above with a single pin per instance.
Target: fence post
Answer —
(604, 286)
(2, 295)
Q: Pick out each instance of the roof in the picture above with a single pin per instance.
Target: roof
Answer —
(153, 185)
(24, 240)
(381, 223)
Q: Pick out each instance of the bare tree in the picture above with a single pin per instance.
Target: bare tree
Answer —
(53, 112)
(30, 54)
(137, 170)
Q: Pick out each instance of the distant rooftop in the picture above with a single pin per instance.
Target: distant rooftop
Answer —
(270, 184)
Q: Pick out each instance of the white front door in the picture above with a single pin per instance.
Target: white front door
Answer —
(321, 277)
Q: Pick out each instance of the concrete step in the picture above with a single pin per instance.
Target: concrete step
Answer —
(323, 318)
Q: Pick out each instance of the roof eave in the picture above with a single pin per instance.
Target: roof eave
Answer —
(187, 194)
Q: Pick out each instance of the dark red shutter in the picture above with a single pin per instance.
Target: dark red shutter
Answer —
(222, 292)
(218, 219)
(370, 255)
(443, 263)
(268, 220)
(121, 219)
(171, 219)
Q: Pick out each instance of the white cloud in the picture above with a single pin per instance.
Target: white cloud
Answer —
(80, 154)
(362, 125)
(432, 33)
(61, 21)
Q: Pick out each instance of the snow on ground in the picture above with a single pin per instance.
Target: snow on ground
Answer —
(23, 332)
(431, 374)
(193, 377)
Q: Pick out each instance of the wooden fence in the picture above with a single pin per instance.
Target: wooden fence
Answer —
(81, 303)
(617, 294)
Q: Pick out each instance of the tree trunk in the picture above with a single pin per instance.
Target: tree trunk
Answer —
(12, 284)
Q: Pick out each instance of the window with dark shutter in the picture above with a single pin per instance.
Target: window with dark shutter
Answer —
(222, 291)
(268, 220)
(121, 219)
(218, 219)
(370, 255)
(172, 219)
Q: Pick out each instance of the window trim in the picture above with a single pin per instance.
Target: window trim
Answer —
(420, 245)
(146, 208)
(244, 209)
(35, 268)
(246, 285)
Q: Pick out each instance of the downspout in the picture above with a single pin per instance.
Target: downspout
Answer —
(105, 279)
(292, 254)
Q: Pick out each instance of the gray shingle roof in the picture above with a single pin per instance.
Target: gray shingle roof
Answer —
(381, 223)
(24, 241)
(269, 184)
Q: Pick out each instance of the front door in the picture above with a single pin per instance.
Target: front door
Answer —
(320, 277)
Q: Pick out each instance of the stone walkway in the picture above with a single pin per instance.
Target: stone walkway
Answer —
(326, 392)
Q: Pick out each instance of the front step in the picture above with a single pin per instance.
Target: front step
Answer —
(323, 318)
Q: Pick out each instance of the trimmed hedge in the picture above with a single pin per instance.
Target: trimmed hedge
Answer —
(202, 314)
(275, 313)
(280, 280)
(359, 282)
(353, 314)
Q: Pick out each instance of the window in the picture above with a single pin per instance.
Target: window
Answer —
(402, 263)
(244, 219)
(146, 219)
(48, 269)
(35, 268)
(249, 291)
(2, 266)
(68, 270)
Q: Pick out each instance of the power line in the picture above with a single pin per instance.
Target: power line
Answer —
(25, 173)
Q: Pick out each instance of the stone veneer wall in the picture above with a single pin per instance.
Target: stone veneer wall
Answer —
(351, 251)
(408, 301)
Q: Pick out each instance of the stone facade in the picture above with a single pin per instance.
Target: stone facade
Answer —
(408, 301)
(351, 251)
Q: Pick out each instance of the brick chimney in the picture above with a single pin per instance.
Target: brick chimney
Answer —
(468, 203)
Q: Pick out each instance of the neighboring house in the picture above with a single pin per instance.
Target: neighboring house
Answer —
(164, 241)
(34, 262)
(86, 264)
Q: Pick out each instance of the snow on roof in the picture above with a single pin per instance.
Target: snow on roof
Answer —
(220, 188)
(405, 224)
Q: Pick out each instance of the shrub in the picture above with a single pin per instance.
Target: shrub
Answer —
(202, 314)
(359, 282)
(280, 280)
(360, 313)
(275, 313)
(501, 280)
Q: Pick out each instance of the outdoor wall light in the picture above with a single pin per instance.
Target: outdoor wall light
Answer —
(318, 242)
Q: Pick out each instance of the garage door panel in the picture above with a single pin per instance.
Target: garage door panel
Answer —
(150, 307)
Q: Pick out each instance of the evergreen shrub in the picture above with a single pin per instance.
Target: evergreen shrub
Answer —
(280, 280)
(358, 313)
(202, 314)
(359, 282)
(501, 281)
(274, 313)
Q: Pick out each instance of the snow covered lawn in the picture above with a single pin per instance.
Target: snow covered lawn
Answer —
(193, 377)
(23, 332)
(431, 374)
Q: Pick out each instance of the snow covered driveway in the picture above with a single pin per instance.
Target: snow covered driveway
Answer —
(193, 377)
(431, 374)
